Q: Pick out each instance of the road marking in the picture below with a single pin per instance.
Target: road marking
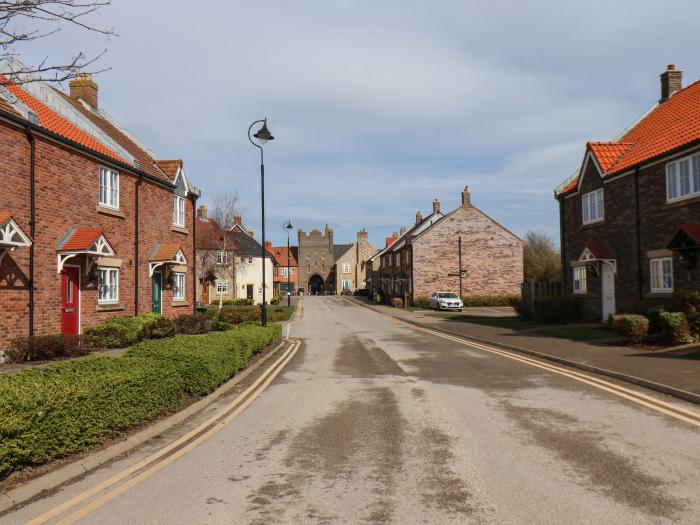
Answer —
(270, 373)
(688, 416)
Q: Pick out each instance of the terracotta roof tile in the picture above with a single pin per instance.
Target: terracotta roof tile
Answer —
(82, 239)
(608, 153)
(599, 250)
(279, 253)
(55, 123)
(692, 231)
(170, 167)
(165, 252)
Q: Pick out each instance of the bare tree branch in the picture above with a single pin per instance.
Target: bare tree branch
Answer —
(16, 15)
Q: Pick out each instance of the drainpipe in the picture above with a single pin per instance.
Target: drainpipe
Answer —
(562, 240)
(194, 255)
(32, 223)
(139, 181)
(638, 234)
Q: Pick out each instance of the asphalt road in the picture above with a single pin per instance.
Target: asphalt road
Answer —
(373, 422)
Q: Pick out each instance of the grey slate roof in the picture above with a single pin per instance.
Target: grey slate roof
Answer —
(245, 245)
(340, 249)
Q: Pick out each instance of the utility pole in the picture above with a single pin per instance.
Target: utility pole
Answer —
(460, 271)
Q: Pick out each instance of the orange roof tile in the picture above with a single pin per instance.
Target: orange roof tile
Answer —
(279, 253)
(169, 167)
(165, 252)
(670, 125)
(82, 239)
(599, 250)
(55, 123)
(692, 231)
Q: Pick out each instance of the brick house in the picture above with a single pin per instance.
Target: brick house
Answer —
(284, 280)
(216, 261)
(95, 226)
(350, 262)
(630, 217)
(463, 251)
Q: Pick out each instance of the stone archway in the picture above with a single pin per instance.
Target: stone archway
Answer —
(316, 285)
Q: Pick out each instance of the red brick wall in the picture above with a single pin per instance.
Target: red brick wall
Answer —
(67, 189)
(492, 256)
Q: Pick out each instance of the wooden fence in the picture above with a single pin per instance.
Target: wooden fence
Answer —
(530, 292)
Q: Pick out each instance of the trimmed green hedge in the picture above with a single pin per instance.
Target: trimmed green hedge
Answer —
(63, 408)
(120, 332)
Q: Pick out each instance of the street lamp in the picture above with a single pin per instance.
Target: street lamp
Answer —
(262, 136)
(288, 227)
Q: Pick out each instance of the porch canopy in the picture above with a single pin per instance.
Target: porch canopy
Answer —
(165, 255)
(596, 253)
(686, 241)
(11, 235)
(90, 242)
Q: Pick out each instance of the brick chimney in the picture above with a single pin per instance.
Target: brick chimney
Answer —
(84, 88)
(268, 246)
(466, 197)
(419, 217)
(362, 236)
(671, 81)
(237, 219)
(436, 206)
(202, 212)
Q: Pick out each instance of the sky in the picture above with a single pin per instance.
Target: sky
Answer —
(378, 107)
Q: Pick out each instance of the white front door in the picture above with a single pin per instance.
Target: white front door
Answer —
(608, 278)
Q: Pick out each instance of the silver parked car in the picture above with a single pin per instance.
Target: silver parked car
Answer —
(445, 301)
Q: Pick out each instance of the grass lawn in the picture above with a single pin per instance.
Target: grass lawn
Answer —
(416, 309)
(566, 331)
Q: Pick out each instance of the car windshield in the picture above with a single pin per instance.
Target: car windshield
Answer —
(447, 296)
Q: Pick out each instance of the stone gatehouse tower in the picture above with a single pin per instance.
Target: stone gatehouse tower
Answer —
(316, 261)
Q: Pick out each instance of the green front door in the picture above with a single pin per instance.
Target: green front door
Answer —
(157, 293)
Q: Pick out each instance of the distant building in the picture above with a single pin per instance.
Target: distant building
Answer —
(349, 264)
(249, 263)
(216, 261)
(286, 269)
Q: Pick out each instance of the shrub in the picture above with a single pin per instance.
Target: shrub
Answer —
(192, 324)
(654, 315)
(674, 328)
(158, 329)
(397, 302)
(69, 407)
(120, 332)
(275, 299)
(556, 310)
(238, 302)
(240, 315)
(421, 302)
(44, 347)
(633, 327)
(490, 300)
(203, 363)
(220, 326)
(689, 302)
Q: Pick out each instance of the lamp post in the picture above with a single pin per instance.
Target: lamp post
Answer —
(262, 136)
(288, 228)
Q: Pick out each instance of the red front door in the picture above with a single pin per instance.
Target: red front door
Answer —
(70, 301)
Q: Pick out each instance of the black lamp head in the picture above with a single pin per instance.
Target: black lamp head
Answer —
(263, 134)
(289, 226)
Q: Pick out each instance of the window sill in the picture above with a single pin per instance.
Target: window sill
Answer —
(110, 211)
(180, 304)
(109, 307)
(660, 295)
(178, 229)
(683, 201)
(580, 294)
(593, 224)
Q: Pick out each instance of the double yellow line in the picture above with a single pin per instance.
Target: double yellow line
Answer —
(676, 412)
(144, 469)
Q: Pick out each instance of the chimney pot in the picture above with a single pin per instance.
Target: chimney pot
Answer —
(237, 219)
(202, 212)
(268, 245)
(436, 206)
(419, 217)
(85, 88)
(671, 81)
(466, 197)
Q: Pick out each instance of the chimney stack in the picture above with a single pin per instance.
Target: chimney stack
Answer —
(466, 197)
(419, 217)
(436, 206)
(671, 81)
(202, 212)
(402, 230)
(237, 219)
(84, 88)
(268, 246)
(362, 236)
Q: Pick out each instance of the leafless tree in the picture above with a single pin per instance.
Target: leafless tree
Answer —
(23, 21)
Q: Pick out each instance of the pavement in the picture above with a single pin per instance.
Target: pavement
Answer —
(675, 369)
(373, 421)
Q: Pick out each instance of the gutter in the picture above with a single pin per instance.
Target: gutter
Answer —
(32, 221)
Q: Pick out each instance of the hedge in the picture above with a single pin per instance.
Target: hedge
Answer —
(44, 347)
(490, 300)
(120, 332)
(203, 363)
(64, 408)
(633, 327)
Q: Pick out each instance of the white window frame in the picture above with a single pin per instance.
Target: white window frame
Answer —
(346, 267)
(683, 178)
(179, 285)
(221, 287)
(178, 211)
(109, 188)
(658, 274)
(221, 257)
(580, 278)
(107, 285)
(285, 273)
(593, 206)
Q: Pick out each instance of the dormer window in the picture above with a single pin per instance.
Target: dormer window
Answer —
(179, 201)
(593, 206)
(109, 188)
